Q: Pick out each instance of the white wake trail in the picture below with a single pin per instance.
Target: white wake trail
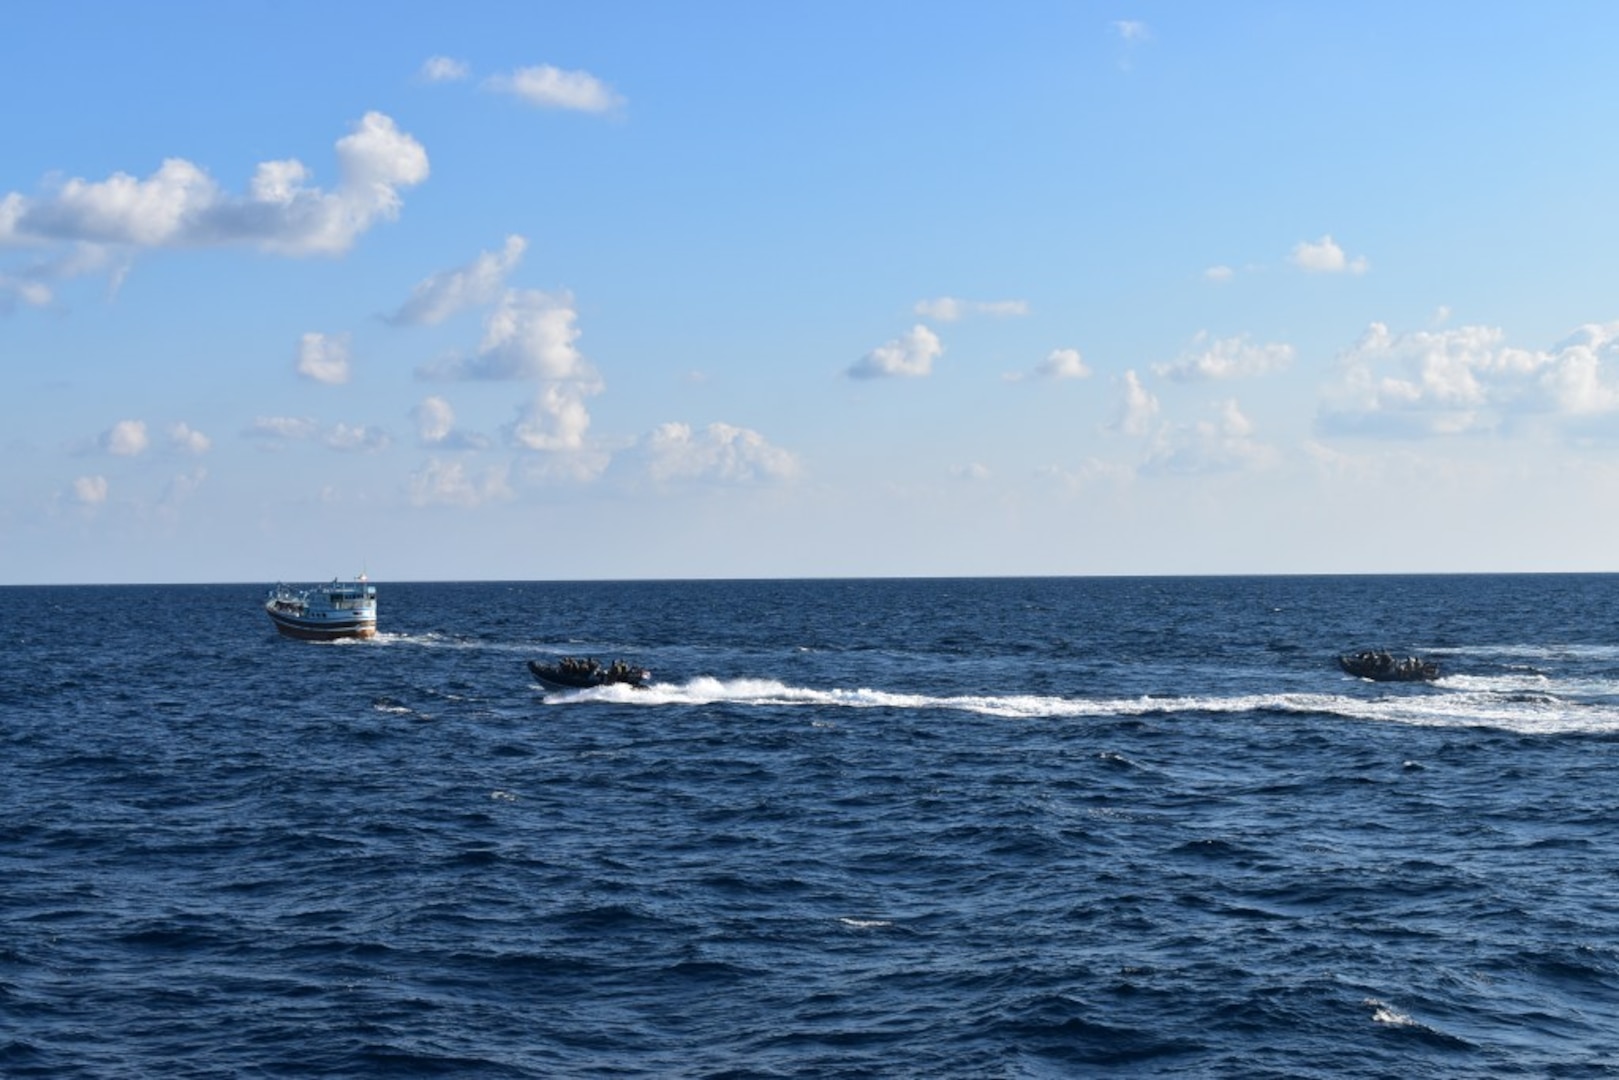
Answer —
(1522, 705)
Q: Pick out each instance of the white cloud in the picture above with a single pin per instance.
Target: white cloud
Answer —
(973, 472)
(186, 439)
(438, 69)
(1058, 364)
(127, 438)
(1326, 257)
(530, 335)
(1467, 379)
(1220, 275)
(11, 212)
(911, 355)
(182, 487)
(278, 431)
(181, 206)
(435, 419)
(121, 209)
(435, 426)
(950, 309)
(1225, 443)
(1137, 408)
(582, 466)
(718, 453)
(1063, 364)
(31, 293)
(1579, 375)
(1092, 472)
(1225, 358)
(555, 420)
(478, 283)
(282, 429)
(550, 87)
(324, 359)
(944, 309)
(90, 490)
(1132, 34)
(34, 283)
(451, 484)
(355, 438)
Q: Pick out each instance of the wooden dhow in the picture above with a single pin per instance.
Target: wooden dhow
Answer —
(345, 609)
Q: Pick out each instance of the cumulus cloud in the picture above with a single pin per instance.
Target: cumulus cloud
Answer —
(1137, 408)
(90, 490)
(477, 284)
(950, 309)
(1326, 257)
(1224, 443)
(1225, 358)
(719, 453)
(1063, 364)
(548, 87)
(1578, 377)
(435, 419)
(187, 440)
(355, 438)
(1220, 275)
(911, 355)
(127, 438)
(435, 426)
(555, 420)
(530, 335)
(451, 483)
(438, 69)
(1468, 379)
(1058, 364)
(323, 358)
(180, 205)
(119, 210)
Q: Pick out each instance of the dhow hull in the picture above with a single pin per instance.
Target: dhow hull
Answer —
(319, 629)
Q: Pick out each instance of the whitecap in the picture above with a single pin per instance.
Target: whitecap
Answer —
(1385, 1014)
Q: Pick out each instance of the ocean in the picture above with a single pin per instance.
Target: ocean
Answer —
(854, 828)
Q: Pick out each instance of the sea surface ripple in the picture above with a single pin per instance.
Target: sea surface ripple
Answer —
(945, 828)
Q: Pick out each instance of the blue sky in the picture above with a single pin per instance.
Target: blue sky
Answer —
(533, 290)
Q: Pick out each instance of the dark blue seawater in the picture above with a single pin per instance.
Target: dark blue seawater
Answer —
(956, 828)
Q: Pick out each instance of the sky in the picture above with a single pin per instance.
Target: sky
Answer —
(532, 290)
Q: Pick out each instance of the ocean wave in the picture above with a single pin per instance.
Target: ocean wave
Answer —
(1532, 652)
(1388, 1016)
